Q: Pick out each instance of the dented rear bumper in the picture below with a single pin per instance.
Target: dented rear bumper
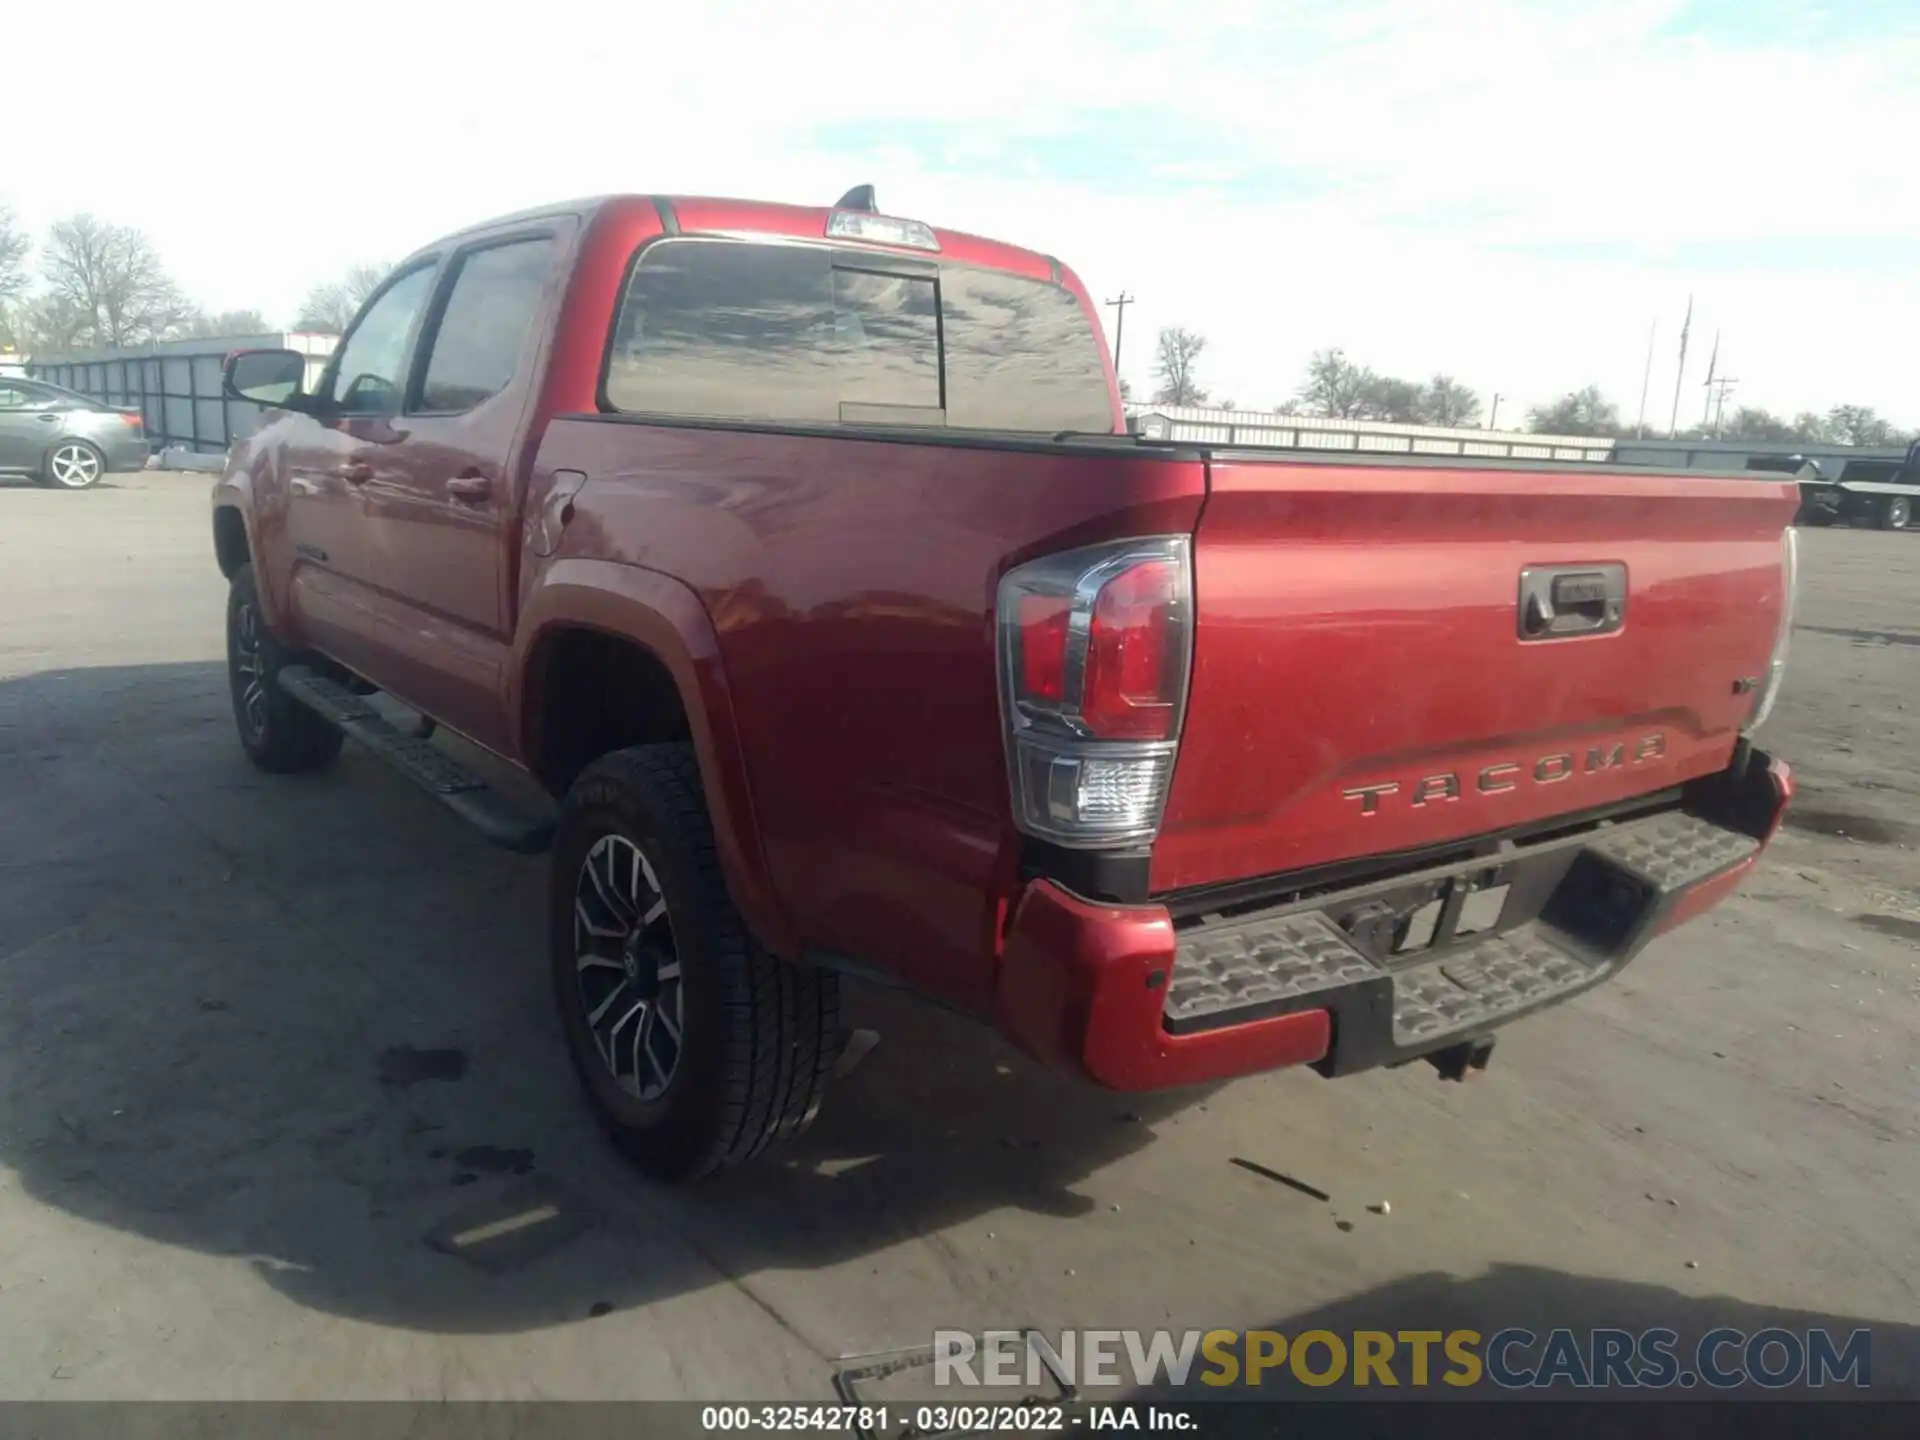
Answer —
(1377, 973)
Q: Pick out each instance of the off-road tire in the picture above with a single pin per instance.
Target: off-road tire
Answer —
(760, 1036)
(278, 733)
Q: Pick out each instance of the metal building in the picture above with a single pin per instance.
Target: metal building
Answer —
(176, 383)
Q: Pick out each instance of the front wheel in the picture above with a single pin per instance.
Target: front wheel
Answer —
(697, 1048)
(278, 733)
(74, 465)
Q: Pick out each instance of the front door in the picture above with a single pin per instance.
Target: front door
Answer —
(331, 461)
(27, 426)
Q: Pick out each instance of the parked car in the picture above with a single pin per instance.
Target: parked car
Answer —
(801, 554)
(63, 438)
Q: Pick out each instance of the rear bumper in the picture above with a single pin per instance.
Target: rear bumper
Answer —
(126, 452)
(1135, 1003)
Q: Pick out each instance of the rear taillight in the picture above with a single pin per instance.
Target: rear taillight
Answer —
(1789, 602)
(133, 421)
(1095, 646)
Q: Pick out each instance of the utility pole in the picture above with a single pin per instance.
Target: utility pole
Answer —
(1640, 425)
(1713, 364)
(1493, 412)
(1119, 325)
(1721, 386)
(1673, 420)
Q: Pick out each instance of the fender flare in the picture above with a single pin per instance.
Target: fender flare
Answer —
(666, 618)
(234, 491)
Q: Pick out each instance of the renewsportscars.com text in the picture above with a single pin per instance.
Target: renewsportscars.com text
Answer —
(1511, 1359)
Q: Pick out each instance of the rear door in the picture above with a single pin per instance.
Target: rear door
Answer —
(443, 501)
(1373, 671)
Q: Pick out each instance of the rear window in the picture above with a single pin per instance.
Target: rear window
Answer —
(805, 334)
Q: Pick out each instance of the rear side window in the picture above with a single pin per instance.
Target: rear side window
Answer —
(804, 334)
(483, 329)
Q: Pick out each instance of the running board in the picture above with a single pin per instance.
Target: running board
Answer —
(422, 762)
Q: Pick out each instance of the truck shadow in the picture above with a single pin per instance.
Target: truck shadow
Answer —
(302, 1024)
(1541, 1301)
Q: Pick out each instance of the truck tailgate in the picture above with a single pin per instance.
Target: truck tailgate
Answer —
(1361, 684)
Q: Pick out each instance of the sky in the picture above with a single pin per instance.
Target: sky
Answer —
(1509, 191)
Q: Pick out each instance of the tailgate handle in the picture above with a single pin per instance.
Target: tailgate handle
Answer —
(1559, 601)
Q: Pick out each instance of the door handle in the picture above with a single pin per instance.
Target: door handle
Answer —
(470, 489)
(47, 419)
(356, 474)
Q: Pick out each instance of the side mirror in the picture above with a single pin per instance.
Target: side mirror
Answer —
(268, 377)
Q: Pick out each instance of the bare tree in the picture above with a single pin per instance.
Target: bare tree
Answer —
(1860, 425)
(1753, 423)
(14, 246)
(1126, 389)
(227, 322)
(107, 284)
(1580, 412)
(1446, 401)
(1176, 354)
(1399, 402)
(1335, 387)
(50, 324)
(331, 306)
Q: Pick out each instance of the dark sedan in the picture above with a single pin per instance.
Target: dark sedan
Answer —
(63, 438)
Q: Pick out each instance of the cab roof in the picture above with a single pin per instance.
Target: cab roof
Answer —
(713, 215)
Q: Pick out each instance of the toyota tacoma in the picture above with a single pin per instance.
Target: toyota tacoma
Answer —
(803, 556)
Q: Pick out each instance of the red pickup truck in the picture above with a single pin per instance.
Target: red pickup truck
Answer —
(803, 556)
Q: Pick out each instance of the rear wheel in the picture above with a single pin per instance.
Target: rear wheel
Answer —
(696, 1047)
(278, 733)
(1896, 512)
(74, 465)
